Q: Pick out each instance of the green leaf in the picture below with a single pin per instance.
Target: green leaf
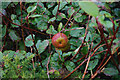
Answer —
(75, 42)
(60, 27)
(52, 19)
(10, 53)
(117, 11)
(54, 12)
(34, 15)
(1, 55)
(5, 5)
(17, 22)
(90, 8)
(44, 18)
(75, 33)
(84, 50)
(41, 46)
(29, 40)
(88, 37)
(55, 57)
(67, 54)
(62, 4)
(51, 30)
(71, 11)
(13, 16)
(105, 13)
(41, 4)
(79, 17)
(92, 64)
(70, 65)
(28, 54)
(13, 35)
(20, 54)
(108, 24)
(50, 4)
(42, 25)
(31, 9)
(3, 31)
(110, 71)
(62, 15)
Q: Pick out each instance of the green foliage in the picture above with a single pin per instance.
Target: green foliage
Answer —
(29, 40)
(90, 8)
(41, 46)
(13, 36)
(51, 30)
(92, 64)
(27, 50)
(110, 71)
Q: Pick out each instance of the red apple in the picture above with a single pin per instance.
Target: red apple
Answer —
(59, 40)
(63, 49)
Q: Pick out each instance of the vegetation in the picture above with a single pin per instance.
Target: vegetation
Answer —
(92, 29)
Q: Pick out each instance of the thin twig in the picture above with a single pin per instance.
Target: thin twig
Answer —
(70, 18)
(81, 58)
(21, 24)
(86, 67)
(5, 35)
(48, 66)
(75, 69)
(103, 65)
(82, 62)
(89, 53)
(74, 29)
(100, 52)
(33, 61)
(107, 44)
(86, 31)
(34, 43)
(58, 9)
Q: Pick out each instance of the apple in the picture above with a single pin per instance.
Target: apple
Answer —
(63, 49)
(59, 40)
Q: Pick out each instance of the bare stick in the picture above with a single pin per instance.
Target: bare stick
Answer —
(48, 67)
(86, 67)
(86, 31)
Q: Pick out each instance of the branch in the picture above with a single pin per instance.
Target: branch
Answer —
(58, 9)
(86, 31)
(86, 66)
(71, 17)
(103, 65)
(5, 35)
(48, 67)
(100, 27)
(22, 25)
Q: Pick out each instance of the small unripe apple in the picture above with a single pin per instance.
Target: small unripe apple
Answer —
(59, 40)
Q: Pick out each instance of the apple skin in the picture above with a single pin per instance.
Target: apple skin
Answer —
(59, 40)
(64, 49)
